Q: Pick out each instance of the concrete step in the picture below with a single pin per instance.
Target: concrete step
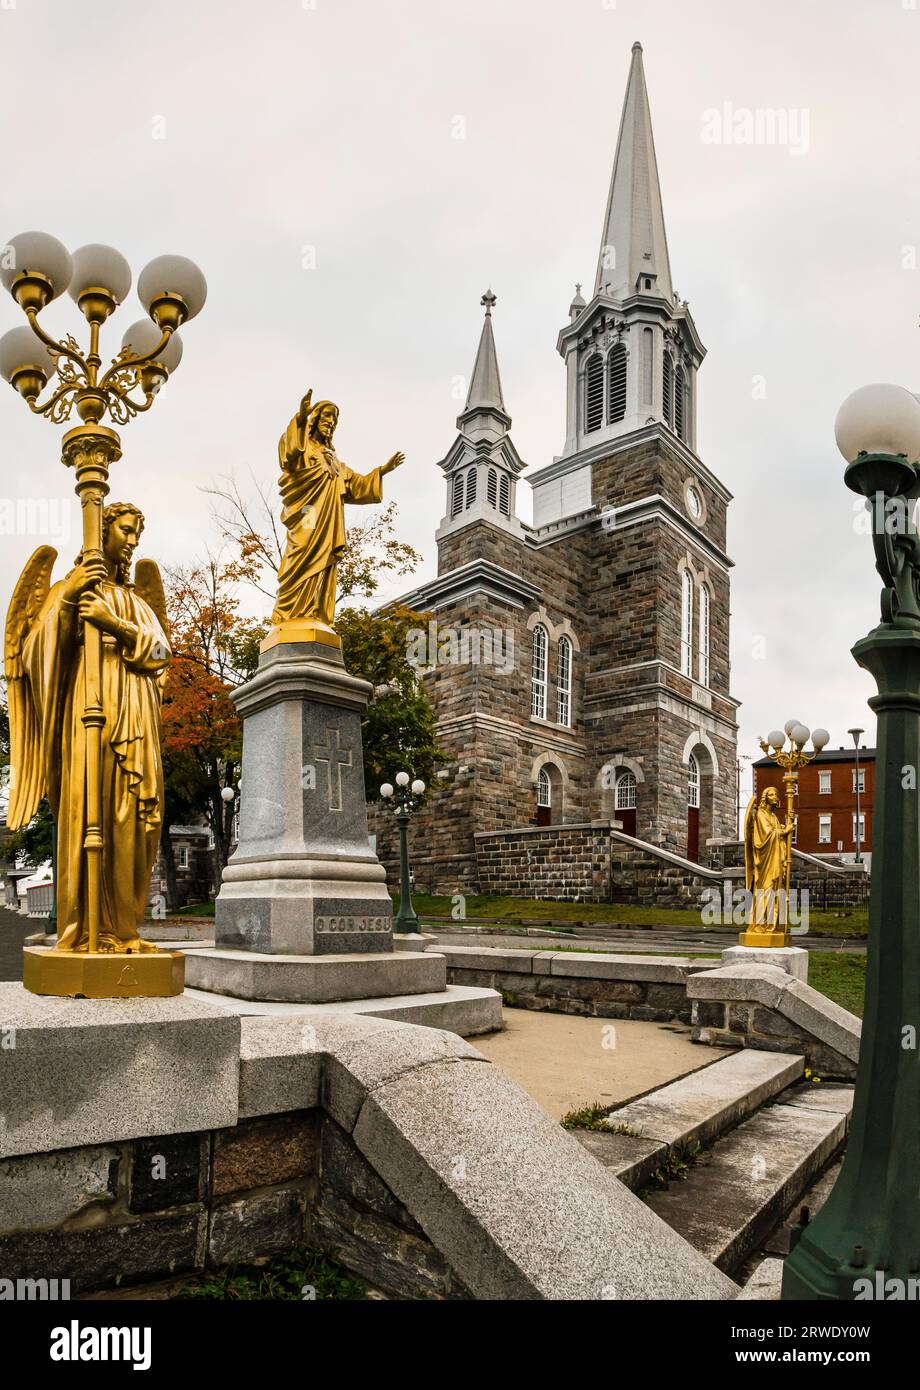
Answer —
(700, 1107)
(465, 1009)
(741, 1189)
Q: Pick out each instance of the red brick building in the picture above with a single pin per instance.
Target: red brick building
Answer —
(826, 801)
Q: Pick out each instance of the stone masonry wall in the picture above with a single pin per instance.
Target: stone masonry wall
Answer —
(136, 1213)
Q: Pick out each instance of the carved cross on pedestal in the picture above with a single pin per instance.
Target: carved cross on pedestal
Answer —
(335, 759)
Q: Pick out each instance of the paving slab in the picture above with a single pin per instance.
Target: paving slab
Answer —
(566, 1061)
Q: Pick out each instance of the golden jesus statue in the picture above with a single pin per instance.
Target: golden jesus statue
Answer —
(315, 485)
(766, 862)
(45, 667)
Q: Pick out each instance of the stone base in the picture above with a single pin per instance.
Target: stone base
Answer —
(792, 959)
(764, 940)
(103, 974)
(304, 879)
(316, 979)
(464, 1009)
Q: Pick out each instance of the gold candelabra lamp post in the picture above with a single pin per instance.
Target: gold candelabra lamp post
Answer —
(768, 842)
(36, 269)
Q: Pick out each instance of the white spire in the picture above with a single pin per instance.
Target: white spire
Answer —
(634, 241)
(485, 391)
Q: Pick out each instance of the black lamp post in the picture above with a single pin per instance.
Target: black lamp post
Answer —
(856, 735)
(870, 1223)
(406, 799)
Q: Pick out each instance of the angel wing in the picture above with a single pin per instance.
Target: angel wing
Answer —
(27, 779)
(748, 845)
(148, 582)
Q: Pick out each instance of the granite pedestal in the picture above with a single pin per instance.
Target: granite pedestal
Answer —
(303, 915)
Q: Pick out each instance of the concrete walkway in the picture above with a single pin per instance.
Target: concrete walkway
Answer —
(566, 1062)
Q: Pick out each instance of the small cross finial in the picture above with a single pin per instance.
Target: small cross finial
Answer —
(488, 299)
(577, 287)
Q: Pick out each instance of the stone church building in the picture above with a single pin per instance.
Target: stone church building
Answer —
(579, 666)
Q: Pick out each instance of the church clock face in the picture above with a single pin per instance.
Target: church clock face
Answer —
(694, 503)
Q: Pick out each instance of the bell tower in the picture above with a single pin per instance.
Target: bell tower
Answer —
(632, 352)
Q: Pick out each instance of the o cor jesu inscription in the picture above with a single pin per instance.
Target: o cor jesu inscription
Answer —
(352, 924)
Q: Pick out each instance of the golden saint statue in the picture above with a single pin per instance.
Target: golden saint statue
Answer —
(65, 733)
(315, 485)
(766, 870)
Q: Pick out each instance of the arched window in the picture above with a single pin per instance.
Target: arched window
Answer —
(680, 389)
(456, 505)
(564, 682)
(686, 622)
(703, 675)
(616, 384)
(492, 489)
(544, 790)
(667, 389)
(648, 364)
(693, 782)
(470, 487)
(626, 792)
(504, 495)
(538, 673)
(594, 393)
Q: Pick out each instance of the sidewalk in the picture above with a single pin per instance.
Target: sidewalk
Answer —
(566, 1062)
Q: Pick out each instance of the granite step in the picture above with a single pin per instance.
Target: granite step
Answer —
(465, 1009)
(698, 1108)
(741, 1189)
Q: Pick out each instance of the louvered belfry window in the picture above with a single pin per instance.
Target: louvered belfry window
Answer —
(456, 505)
(680, 393)
(594, 393)
(492, 489)
(471, 487)
(504, 495)
(667, 389)
(616, 389)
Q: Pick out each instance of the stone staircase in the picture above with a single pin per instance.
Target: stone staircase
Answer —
(728, 1153)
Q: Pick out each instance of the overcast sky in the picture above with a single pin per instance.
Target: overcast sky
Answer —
(306, 155)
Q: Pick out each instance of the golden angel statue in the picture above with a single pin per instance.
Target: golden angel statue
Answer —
(315, 485)
(766, 861)
(63, 733)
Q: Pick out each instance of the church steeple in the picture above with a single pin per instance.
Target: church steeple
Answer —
(485, 384)
(482, 465)
(633, 243)
(632, 352)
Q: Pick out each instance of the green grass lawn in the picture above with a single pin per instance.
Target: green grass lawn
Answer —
(532, 912)
(841, 977)
(516, 912)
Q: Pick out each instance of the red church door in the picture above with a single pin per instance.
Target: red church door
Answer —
(693, 811)
(693, 833)
(628, 818)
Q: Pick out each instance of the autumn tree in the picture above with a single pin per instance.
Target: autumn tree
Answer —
(215, 648)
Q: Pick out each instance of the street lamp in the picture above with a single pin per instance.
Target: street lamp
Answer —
(870, 1223)
(856, 735)
(406, 799)
(36, 269)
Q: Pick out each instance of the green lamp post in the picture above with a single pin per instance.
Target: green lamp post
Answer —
(865, 1241)
(406, 799)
